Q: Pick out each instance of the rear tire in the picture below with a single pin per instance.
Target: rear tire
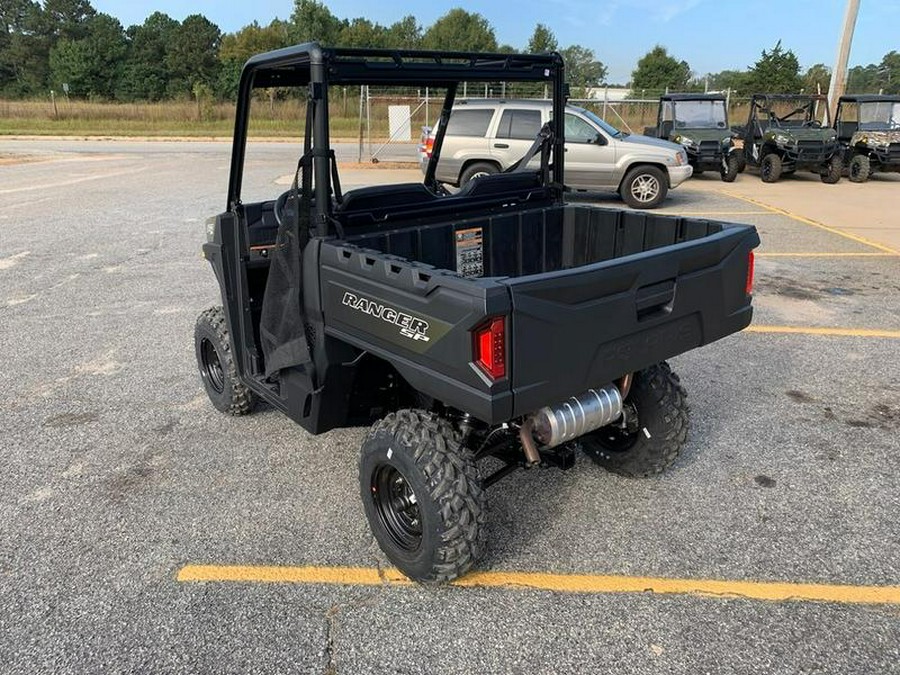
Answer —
(833, 169)
(477, 170)
(860, 169)
(644, 187)
(730, 169)
(422, 496)
(657, 423)
(742, 159)
(216, 364)
(770, 168)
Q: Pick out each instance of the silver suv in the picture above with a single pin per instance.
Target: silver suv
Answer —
(485, 137)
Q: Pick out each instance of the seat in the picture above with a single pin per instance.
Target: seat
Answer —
(380, 197)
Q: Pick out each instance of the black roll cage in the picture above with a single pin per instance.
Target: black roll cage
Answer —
(319, 67)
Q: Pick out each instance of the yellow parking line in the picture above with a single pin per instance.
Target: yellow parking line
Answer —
(816, 330)
(563, 583)
(809, 221)
(811, 254)
(717, 213)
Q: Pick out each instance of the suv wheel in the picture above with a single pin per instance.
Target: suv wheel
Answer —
(770, 168)
(477, 170)
(860, 169)
(832, 172)
(216, 364)
(656, 426)
(422, 496)
(644, 187)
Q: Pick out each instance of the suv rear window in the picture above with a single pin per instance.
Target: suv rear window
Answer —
(469, 122)
(521, 124)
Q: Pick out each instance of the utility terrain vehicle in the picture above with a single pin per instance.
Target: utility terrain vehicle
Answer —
(783, 135)
(699, 122)
(496, 327)
(868, 129)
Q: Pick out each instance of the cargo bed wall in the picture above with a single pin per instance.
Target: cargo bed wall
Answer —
(534, 241)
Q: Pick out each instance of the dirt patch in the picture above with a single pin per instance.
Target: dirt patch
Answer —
(798, 396)
(765, 481)
(71, 419)
(12, 158)
(880, 416)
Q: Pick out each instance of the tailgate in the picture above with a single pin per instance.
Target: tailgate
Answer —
(584, 327)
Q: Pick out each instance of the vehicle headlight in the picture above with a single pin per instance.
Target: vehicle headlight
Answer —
(781, 139)
(864, 140)
(680, 158)
(685, 140)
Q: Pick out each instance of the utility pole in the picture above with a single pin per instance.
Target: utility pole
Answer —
(839, 72)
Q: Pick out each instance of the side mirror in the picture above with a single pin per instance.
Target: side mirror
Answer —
(600, 139)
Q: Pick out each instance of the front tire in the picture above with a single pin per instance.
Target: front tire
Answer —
(832, 172)
(422, 496)
(644, 187)
(770, 168)
(860, 169)
(216, 364)
(657, 420)
(730, 167)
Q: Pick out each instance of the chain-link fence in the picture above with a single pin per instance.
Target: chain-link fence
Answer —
(392, 123)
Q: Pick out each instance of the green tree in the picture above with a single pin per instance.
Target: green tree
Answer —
(863, 79)
(460, 30)
(889, 73)
(776, 72)
(542, 40)
(817, 78)
(404, 34)
(735, 80)
(145, 75)
(90, 65)
(67, 19)
(657, 70)
(191, 56)
(362, 33)
(23, 50)
(583, 70)
(236, 48)
(312, 21)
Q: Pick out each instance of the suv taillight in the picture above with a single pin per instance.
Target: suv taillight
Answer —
(490, 347)
(429, 146)
(750, 266)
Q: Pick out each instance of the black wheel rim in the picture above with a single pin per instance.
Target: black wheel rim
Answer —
(854, 170)
(397, 507)
(211, 366)
(615, 438)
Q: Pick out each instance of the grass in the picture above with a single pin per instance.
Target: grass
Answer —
(269, 119)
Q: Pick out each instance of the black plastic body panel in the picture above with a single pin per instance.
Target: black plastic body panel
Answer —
(589, 294)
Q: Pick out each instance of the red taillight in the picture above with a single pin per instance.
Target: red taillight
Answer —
(750, 264)
(490, 347)
(429, 146)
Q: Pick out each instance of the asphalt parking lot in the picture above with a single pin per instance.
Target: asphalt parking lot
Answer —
(122, 487)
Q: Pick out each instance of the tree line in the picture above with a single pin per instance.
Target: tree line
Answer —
(67, 44)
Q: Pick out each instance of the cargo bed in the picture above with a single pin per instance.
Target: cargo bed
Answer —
(589, 294)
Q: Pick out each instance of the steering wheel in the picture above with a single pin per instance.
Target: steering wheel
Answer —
(281, 208)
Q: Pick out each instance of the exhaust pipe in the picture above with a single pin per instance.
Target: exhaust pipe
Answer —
(577, 416)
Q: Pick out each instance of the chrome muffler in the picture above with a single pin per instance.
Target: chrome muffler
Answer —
(579, 415)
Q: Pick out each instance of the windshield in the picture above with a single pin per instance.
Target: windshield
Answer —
(879, 116)
(700, 115)
(794, 112)
(608, 128)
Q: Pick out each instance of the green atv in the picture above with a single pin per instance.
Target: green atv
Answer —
(699, 122)
(868, 129)
(783, 135)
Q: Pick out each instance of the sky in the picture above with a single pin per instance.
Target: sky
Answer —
(711, 35)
